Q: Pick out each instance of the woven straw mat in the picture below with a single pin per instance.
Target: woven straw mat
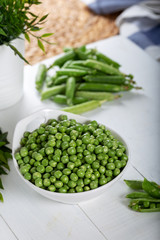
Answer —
(73, 25)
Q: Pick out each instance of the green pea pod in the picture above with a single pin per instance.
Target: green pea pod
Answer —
(62, 99)
(61, 60)
(70, 89)
(60, 79)
(84, 107)
(134, 184)
(149, 199)
(119, 80)
(71, 72)
(67, 64)
(135, 195)
(103, 67)
(52, 91)
(149, 210)
(40, 76)
(104, 58)
(151, 188)
(97, 95)
(50, 80)
(102, 87)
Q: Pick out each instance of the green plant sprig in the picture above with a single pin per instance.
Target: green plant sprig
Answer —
(5, 155)
(16, 19)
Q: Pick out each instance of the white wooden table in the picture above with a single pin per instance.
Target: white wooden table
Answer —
(26, 215)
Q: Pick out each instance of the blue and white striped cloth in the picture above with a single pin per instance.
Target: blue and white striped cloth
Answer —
(140, 21)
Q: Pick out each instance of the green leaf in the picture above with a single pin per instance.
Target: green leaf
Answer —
(2, 144)
(41, 46)
(2, 171)
(1, 185)
(27, 37)
(2, 32)
(46, 35)
(1, 197)
(35, 29)
(43, 18)
(2, 158)
(17, 52)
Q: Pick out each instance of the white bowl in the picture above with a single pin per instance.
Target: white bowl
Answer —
(32, 122)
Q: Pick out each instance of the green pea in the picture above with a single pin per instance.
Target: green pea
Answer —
(52, 179)
(111, 153)
(27, 176)
(80, 156)
(38, 182)
(87, 181)
(104, 162)
(36, 175)
(80, 173)
(46, 182)
(86, 188)
(38, 156)
(64, 179)
(58, 174)
(86, 140)
(74, 177)
(23, 152)
(71, 190)
(98, 149)
(32, 170)
(95, 165)
(102, 169)
(26, 159)
(118, 164)
(70, 165)
(109, 173)
(49, 150)
(102, 181)
(24, 169)
(110, 166)
(17, 156)
(73, 158)
(65, 159)
(123, 163)
(45, 162)
(63, 117)
(67, 171)
(71, 151)
(146, 204)
(58, 184)
(79, 149)
(97, 174)
(80, 183)
(62, 190)
(52, 188)
(119, 152)
(88, 159)
(79, 189)
(116, 172)
(36, 164)
(46, 175)
(41, 169)
(124, 157)
(93, 184)
(56, 158)
(110, 160)
(49, 169)
(72, 184)
(66, 138)
(60, 166)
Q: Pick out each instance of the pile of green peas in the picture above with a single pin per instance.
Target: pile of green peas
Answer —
(69, 157)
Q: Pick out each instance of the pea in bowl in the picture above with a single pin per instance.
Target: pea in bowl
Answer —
(66, 157)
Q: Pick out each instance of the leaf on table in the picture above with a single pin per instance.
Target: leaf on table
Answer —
(1, 185)
(1, 197)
